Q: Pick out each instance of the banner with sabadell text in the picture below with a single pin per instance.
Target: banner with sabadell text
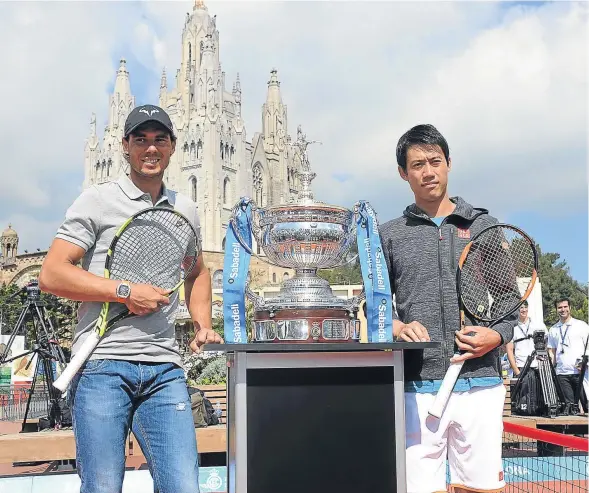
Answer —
(379, 303)
(235, 270)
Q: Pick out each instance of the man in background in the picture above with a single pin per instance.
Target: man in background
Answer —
(566, 345)
(522, 344)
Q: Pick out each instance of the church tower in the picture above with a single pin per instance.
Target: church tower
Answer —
(274, 163)
(213, 164)
(106, 162)
(9, 245)
(210, 163)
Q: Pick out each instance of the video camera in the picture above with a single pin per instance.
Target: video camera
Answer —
(32, 290)
(539, 338)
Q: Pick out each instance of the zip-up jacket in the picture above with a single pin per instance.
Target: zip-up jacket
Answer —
(422, 260)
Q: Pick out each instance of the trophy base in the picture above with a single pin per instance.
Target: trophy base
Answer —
(305, 325)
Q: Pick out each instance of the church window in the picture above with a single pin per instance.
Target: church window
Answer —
(218, 279)
(285, 276)
(221, 151)
(193, 153)
(258, 185)
(226, 191)
(189, 54)
(274, 277)
(193, 189)
(199, 149)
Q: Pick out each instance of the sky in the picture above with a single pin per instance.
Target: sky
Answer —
(505, 83)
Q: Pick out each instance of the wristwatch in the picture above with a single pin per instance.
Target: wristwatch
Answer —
(123, 290)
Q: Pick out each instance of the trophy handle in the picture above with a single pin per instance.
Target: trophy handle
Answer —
(355, 301)
(258, 301)
(255, 227)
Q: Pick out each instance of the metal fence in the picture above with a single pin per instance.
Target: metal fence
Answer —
(13, 402)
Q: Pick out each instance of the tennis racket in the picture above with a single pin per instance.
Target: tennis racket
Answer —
(156, 246)
(497, 271)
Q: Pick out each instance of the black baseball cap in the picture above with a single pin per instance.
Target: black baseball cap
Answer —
(148, 113)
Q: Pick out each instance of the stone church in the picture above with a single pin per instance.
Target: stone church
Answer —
(215, 163)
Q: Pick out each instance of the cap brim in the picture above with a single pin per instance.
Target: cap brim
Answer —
(137, 125)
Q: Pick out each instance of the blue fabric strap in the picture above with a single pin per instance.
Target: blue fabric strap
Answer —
(235, 269)
(379, 302)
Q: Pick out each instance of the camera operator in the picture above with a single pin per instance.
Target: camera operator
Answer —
(522, 343)
(566, 341)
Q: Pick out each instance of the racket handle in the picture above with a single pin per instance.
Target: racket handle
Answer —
(77, 361)
(443, 395)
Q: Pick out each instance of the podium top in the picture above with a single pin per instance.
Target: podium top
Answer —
(270, 347)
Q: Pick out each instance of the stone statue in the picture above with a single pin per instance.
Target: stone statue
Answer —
(301, 145)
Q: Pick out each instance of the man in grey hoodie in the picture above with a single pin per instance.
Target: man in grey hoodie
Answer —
(422, 248)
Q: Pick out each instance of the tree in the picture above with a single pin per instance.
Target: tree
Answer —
(61, 314)
(557, 282)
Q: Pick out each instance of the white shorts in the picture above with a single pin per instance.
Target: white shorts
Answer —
(469, 436)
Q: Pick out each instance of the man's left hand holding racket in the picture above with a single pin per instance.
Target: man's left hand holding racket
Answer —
(154, 251)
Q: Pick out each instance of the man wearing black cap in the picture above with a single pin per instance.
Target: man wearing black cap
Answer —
(134, 378)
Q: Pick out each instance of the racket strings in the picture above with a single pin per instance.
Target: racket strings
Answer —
(500, 263)
(158, 247)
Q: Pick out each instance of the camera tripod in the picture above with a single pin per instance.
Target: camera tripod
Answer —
(46, 348)
(582, 369)
(552, 394)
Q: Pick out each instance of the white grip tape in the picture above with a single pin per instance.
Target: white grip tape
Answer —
(77, 361)
(437, 408)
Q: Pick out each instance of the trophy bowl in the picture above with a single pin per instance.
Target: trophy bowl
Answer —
(314, 236)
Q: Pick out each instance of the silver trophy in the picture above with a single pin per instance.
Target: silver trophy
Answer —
(306, 236)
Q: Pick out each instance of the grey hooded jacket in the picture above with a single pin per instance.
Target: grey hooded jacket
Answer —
(422, 260)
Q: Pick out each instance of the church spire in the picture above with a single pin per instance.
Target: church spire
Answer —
(274, 88)
(122, 85)
(163, 89)
(121, 101)
(274, 116)
(93, 125)
(164, 81)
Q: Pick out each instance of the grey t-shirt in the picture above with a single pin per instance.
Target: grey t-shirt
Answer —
(91, 223)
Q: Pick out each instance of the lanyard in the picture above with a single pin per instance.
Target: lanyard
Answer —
(563, 338)
(527, 326)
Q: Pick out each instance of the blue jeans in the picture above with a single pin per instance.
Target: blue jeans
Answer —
(107, 398)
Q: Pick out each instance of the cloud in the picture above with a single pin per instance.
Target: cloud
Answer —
(505, 83)
(33, 234)
(56, 67)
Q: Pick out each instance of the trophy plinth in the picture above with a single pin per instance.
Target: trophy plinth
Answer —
(306, 310)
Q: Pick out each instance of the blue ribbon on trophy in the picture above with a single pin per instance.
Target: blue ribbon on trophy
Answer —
(379, 300)
(235, 270)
